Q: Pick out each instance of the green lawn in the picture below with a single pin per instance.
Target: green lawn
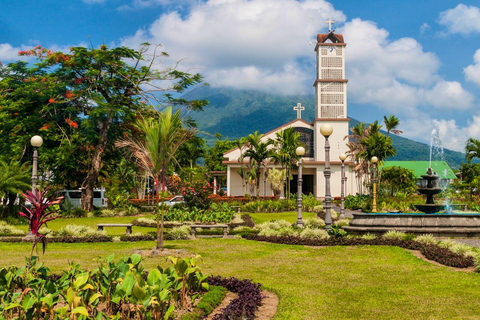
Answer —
(288, 216)
(312, 283)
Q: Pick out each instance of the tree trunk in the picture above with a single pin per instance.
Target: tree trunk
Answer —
(11, 203)
(89, 183)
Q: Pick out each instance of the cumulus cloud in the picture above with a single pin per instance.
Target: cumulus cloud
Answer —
(452, 135)
(258, 39)
(449, 95)
(462, 19)
(398, 76)
(472, 72)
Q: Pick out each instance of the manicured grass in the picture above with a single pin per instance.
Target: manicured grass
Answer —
(312, 283)
(288, 216)
(92, 222)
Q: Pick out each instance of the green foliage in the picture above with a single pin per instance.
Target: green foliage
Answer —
(15, 178)
(309, 204)
(355, 202)
(79, 293)
(337, 232)
(398, 179)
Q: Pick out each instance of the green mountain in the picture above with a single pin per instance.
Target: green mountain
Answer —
(237, 113)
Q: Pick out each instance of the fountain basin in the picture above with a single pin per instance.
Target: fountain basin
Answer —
(438, 224)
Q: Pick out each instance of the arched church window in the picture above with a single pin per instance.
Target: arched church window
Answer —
(306, 138)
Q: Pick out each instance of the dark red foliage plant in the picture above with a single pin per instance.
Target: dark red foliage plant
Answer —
(38, 214)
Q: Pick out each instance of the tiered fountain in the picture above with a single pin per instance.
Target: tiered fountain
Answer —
(429, 222)
(430, 207)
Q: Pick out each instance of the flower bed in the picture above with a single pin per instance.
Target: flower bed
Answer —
(248, 300)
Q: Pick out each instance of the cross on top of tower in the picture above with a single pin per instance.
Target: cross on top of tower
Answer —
(299, 109)
(330, 21)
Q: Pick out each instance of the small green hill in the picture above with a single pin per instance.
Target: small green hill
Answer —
(237, 113)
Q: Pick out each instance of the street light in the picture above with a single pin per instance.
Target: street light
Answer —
(300, 151)
(374, 205)
(326, 130)
(36, 142)
(342, 158)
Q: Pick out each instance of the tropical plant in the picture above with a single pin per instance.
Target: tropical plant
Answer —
(391, 124)
(258, 153)
(472, 149)
(155, 149)
(14, 179)
(285, 145)
(39, 214)
(277, 181)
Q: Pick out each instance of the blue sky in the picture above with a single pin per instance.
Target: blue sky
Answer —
(415, 59)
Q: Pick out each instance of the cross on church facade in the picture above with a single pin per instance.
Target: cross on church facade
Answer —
(299, 109)
(330, 21)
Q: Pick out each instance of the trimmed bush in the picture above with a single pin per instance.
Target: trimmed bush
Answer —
(8, 230)
(314, 223)
(314, 234)
(393, 234)
(180, 233)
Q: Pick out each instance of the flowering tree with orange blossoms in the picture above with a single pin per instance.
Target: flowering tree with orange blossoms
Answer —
(99, 92)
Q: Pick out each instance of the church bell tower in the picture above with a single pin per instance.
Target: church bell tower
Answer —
(331, 92)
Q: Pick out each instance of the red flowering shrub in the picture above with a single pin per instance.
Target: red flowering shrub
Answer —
(196, 194)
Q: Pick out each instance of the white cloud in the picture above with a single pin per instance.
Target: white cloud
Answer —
(472, 72)
(449, 95)
(257, 39)
(461, 19)
(398, 76)
(424, 28)
(452, 135)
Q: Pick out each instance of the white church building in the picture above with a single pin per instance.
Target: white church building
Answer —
(330, 108)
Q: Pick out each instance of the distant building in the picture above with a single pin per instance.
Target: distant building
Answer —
(330, 108)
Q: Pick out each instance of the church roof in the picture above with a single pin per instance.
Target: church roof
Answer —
(286, 125)
(335, 38)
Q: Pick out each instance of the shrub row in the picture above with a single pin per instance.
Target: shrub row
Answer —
(248, 300)
(430, 251)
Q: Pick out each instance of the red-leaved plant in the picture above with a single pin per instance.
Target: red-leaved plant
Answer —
(38, 215)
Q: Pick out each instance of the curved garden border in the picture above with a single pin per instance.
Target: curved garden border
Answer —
(430, 251)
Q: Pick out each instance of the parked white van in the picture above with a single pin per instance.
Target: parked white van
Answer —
(73, 198)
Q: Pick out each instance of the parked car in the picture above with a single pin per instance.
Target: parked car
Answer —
(174, 200)
(73, 198)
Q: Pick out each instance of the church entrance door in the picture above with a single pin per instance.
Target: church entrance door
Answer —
(307, 184)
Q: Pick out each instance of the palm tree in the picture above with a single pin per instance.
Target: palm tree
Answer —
(14, 180)
(472, 149)
(155, 150)
(285, 144)
(391, 124)
(257, 152)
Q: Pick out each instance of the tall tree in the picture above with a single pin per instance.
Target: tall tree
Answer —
(285, 146)
(472, 149)
(258, 153)
(391, 124)
(155, 148)
(103, 89)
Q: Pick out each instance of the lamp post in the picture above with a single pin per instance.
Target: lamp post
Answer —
(342, 158)
(326, 130)
(300, 151)
(36, 142)
(374, 204)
